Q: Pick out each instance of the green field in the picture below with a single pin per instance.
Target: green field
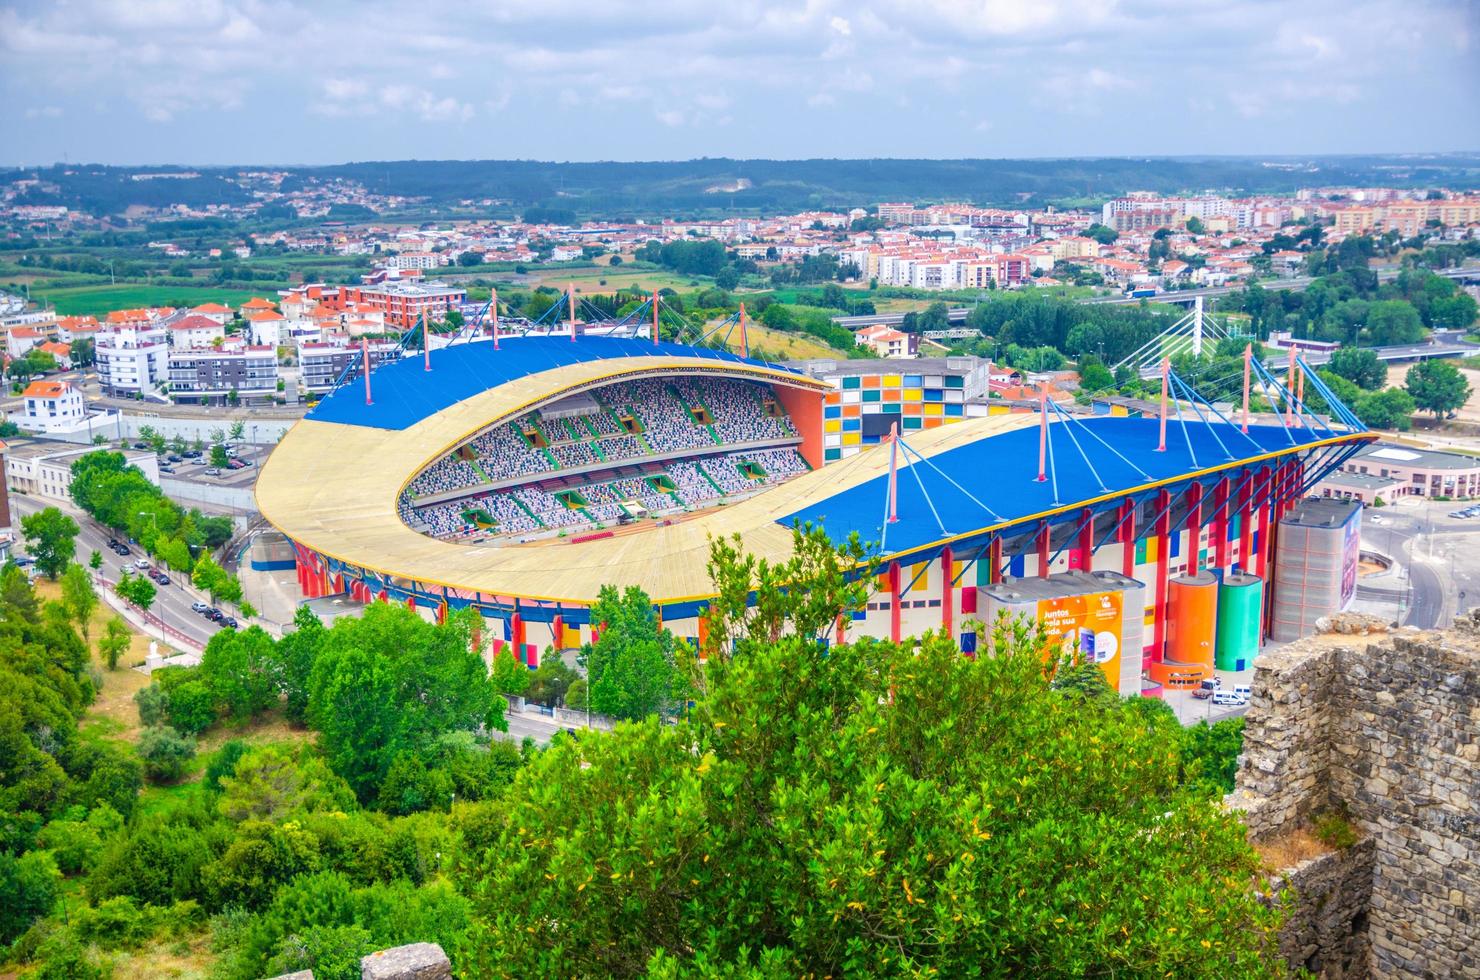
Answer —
(98, 300)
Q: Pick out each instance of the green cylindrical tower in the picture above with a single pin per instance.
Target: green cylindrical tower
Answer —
(1240, 602)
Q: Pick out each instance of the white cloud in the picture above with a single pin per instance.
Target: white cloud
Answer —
(671, 117)
(44, 112)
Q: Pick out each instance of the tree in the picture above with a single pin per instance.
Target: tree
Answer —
(240, 668)
(272, 781)
(114, 642)
(818, 814)
(79, 599)
(1095, 376)
(1101, 233)
(469, 258)
(1392, 322)
(508, 674)
(1195, 226)
(237, 429)
(95, 560)
(51, 538)
(219, 459)
(632, 667)
(29, 888)
(166, 753)
(136, 589)
(1437, 386)
(208, 576)
(389, 682)
(1391, 408)
(1361, 367)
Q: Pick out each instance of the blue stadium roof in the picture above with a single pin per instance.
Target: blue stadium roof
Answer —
(404, 393)
(1001, 470)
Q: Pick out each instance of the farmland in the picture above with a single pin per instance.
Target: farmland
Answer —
(98, 300)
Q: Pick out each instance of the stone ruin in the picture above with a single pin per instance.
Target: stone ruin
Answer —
(1385, 737)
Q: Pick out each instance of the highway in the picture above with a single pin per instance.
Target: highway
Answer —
(172, 604)
(1294, 284)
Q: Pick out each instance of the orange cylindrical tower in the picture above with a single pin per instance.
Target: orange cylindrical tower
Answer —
(1192, 619)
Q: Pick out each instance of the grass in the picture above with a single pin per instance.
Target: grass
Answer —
(99, 300)
(113, 714)
(783, 345)
(1290, 849)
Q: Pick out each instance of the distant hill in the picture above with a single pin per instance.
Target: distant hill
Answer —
(708, 186)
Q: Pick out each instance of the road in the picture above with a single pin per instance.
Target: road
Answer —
(172, 604)
(1438, 552)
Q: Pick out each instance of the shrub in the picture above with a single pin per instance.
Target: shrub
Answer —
(166, 753)
(153, 705)
(29, 886)
(192, 707)
(1334, 830)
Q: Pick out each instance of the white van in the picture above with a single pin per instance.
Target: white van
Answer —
(1243, 691)
(1230, 699)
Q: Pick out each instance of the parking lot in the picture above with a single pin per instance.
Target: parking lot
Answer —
(195, 465)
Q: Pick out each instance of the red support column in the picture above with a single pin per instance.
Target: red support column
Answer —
(516, 636)
(1086, 546)
(994, 555)
(1269, 487)
(1163, 561)
(557, 629)
(1245, 519)
(841, 630)
(1220, 524)
(947, 591)
(894, 599)
(1043, 555)
(1194, 526)
(1128, 538)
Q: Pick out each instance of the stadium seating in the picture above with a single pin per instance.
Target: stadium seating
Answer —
(664, 410)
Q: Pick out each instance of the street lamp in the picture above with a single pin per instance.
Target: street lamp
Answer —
(154, 520)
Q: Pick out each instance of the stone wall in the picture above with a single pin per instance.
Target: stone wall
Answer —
(1389, 734)
(1327, 932)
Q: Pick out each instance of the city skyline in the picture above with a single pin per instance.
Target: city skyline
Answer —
(220, 83)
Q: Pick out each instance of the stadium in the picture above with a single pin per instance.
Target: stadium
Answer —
(519, 477)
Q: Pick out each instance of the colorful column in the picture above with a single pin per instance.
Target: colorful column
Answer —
(894, 610)
(1043, 549)
(1127, 536)
(1086, 546)
(1163, 557)
(1220, 524)
(1194, 526)
(1245, 519)
(947, 591)
(994, 556)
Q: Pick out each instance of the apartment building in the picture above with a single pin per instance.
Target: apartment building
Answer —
(132, 358)
(404, 301)
(50, 406)
(230, 374)
(1403, 471)
(195, 330)
(320, 365)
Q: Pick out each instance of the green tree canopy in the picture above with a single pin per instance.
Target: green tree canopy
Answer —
(1437, 386)
(632, 666)
(389, 682)
(51, 538)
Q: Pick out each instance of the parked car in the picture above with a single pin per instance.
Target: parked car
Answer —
(192, 454)
(21, 561)
(215, 614)
(1203, 693)
(166, 468)
(141, 445)
(236, 464)
(211, 471)
(161, 578)
(199, 607)
(143, 564)
(174, 457)
(122, 551)
(113, 542)
(1243, 691)
(228, 621)
(1230, 699)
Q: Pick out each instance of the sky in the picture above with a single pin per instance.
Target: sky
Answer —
(329, 81)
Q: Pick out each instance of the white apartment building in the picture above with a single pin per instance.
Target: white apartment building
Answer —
(132, 358)
(50, 406)
(235, 372)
